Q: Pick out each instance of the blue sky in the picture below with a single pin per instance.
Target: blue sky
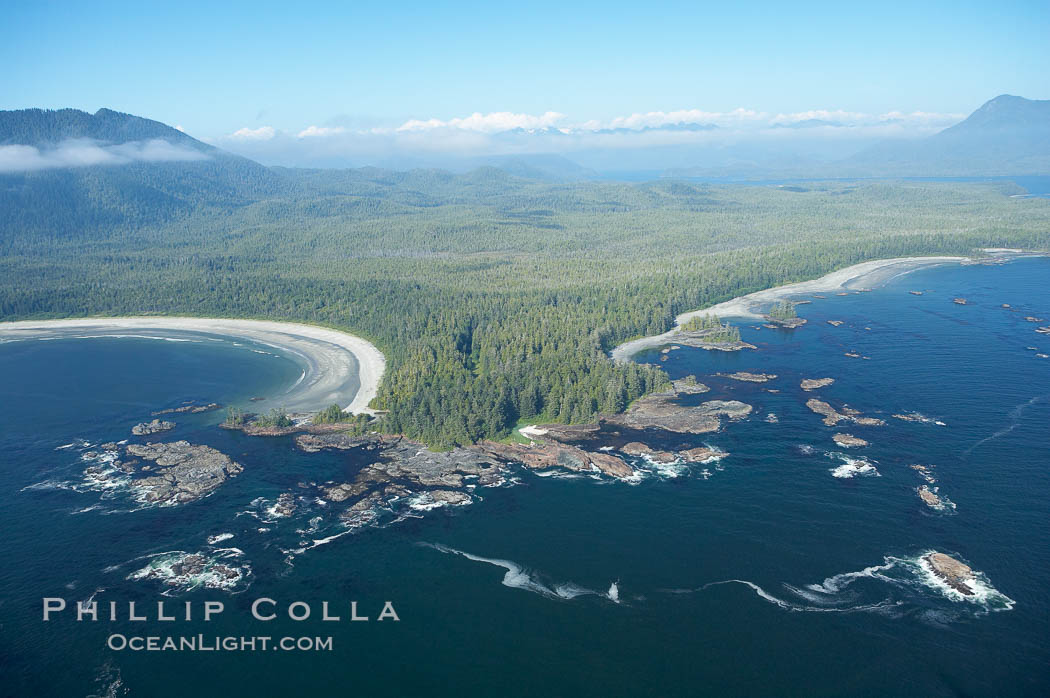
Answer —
(220, 68)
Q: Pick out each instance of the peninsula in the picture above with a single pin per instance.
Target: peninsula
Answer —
(863, 276)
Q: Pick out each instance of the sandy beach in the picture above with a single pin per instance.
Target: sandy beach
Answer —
(859, 276)
(337, 367)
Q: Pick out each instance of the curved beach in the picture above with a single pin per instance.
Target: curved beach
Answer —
(859, 276)
(337, 367)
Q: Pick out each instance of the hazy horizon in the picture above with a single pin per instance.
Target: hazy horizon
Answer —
(606, 86)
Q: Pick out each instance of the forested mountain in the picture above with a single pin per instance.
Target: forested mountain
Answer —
(1007, 136)
(495, 297)
(70, 200)
(47, 126)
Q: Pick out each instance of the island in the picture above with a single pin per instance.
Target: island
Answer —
(747, 377)
(848, 440)
(809, 384)
(955, 574)
(154, 427)
(173, 473)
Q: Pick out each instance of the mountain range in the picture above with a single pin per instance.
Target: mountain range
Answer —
(68, 168)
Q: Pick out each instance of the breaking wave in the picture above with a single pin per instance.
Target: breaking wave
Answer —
(899, 586)
(852, 466)
(518, 577)
(180, 571)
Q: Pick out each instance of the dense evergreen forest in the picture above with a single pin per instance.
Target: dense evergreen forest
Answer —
(494, 298)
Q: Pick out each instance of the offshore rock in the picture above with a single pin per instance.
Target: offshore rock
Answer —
(952, 572)
(192, 408)
(848, 440)
(809, 384)
(689, 386)
(154, 427)
(636, 448)
(930, 498)
(847, 414)
(662, 411)
(703, 454)
(555, 455)
(749, 377)
(181, 471)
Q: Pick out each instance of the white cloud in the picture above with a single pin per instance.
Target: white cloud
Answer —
(85, 153)
(493, 122)
(434, 140)
(836, 115)
(922, 117)
(320, 131)
(656, 119)
(263, 133)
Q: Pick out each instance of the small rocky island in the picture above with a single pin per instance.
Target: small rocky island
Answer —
(710, 333)
(849, 441)
(784, 315)
(188, 408)
(843, 414)
(173, 473)
(809, 384)
(929, 497)
(748, 377)
(154, 427)
(952, 572)
(665, 411)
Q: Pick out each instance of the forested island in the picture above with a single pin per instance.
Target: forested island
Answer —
(494, 298)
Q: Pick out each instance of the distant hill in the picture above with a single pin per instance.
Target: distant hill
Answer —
(48, 127)
(1006, 136)
(141, 192)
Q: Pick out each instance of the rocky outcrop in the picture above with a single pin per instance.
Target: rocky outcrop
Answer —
(930, 498)
(925, 472)
(847, 414)
(556, 455)
(689, 386)
(835, 323)
(952, 572)
(191, 408)
(830, 414)
(749, 377)
(849, 441)
(960, 301)
(663, 411)
(702, 339)
(703, 454)
(154, 427)
(285, 505)
(809, 384)
(313, 443)
(636, 448)
(785, 323)
(178, 472)
(567, 432)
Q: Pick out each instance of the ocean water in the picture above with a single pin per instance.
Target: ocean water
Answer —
(768, 572)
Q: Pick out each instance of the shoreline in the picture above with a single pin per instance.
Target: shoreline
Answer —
(865, 275)
(339, 367)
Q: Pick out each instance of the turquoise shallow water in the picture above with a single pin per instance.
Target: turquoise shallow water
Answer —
(822, 593)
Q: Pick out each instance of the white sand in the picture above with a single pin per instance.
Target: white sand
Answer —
(337, 367)
(859, 276)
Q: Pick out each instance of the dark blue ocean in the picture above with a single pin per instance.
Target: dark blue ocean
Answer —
(766, 573)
